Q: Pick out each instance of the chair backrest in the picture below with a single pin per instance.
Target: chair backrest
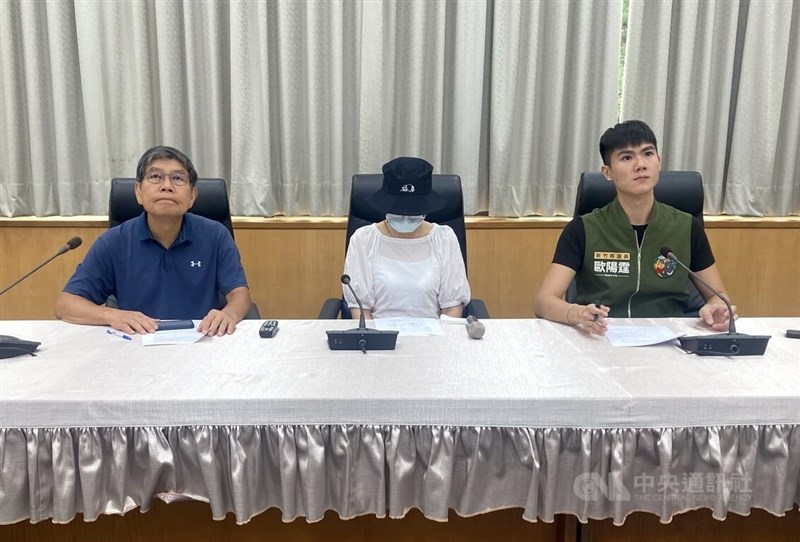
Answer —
(447, 186)
(211, 202)
(680, 189)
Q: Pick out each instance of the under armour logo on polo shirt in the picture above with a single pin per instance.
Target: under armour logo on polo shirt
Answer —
(196, 263)
(407, 188)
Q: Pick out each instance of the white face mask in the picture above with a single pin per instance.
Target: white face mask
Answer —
(404, 224)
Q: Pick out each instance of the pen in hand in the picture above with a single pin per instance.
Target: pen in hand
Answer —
(118, 334)
(597, 304)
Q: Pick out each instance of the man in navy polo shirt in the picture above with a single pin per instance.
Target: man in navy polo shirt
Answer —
(165, 264)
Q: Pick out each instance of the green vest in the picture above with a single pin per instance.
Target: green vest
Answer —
(635, 282)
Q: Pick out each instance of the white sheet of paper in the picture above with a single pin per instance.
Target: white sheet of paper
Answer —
(411, 326)
(175, 336)
(639, 335)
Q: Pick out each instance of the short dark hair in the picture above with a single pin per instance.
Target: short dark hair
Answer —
(162, 152)
(630, 132)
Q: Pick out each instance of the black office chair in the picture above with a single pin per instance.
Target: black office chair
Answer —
(362, 214)
(211, 202)
(680, 189)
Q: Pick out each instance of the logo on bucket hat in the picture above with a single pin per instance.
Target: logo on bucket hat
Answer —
(407, 188)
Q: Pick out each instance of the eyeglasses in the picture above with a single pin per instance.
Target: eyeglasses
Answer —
(157, 177)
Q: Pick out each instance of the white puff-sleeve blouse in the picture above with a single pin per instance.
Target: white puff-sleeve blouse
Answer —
(406, 277)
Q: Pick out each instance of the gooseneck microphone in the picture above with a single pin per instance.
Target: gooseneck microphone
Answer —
(11, 346)
(721, 344)
(475, 329)
(667, 253)
(361, 338)
(73, 243)
(362, 321)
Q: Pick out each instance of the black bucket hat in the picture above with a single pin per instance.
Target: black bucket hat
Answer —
(407, 188)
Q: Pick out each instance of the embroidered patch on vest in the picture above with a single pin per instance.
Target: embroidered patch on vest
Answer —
(664, 267)
(612, 264)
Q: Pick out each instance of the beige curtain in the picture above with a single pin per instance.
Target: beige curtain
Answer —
(88, 86)
(718, 81)
(323, 90)
(553, 93)
(287, 99)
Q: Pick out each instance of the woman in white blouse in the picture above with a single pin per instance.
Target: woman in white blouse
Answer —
(404, 265)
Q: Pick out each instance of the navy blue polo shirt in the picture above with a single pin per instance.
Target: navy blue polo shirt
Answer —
(182, 282)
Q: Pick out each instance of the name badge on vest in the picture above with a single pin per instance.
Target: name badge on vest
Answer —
(664, 267)
(612, 264)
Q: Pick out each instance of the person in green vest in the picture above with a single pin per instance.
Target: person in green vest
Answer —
(614, 253)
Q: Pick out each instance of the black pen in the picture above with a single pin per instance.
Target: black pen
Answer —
(597, 304)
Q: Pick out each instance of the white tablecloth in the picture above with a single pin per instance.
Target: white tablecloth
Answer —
(536, 415)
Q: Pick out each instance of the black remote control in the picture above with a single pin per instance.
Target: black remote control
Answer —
(268, 329)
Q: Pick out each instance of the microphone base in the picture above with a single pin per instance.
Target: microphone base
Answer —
(362, 339)
(11, 347)
(725, 344)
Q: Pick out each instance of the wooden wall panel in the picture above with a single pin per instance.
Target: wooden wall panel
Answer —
(697, 525)
(293, 266)
(506, 267)
(22, 249)
(760, 268)
(291, 272)
(192, 522)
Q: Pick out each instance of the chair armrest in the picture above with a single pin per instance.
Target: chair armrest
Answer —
(330, 309)
(476, 308)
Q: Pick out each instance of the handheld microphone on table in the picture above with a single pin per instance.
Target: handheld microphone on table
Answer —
(475, 329)
(720, 344)
(11, 346)
(362, 338)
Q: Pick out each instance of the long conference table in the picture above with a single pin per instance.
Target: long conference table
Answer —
(536, 415)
